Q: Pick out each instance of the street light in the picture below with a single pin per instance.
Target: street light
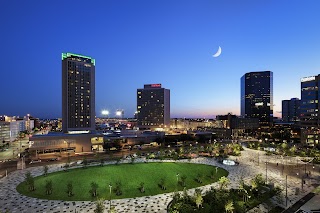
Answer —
(286, 190)
(105, 112)
(110, 187)
(266, 172)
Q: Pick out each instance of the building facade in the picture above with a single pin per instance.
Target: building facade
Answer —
(257, 96)
(78, 93)
(153, 107)
(309, 110)
(291, 110)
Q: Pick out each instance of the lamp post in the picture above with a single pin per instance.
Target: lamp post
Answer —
(266, 172)
(305, 168)
(177, 175)
(286, 190)
(110, 187)
(177, 178)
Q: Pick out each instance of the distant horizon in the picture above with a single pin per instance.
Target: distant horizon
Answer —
(54, 118)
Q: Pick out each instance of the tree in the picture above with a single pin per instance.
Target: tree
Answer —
(212, 172)
(94, 188)
(229, 206)
(85, 162)
(70, 189)
(141, 187)
(99, 206)
(117, 188)
(30, 181)
(259, 180)
(118, 161)
(223, 183)
(101, 161)
(198, 197)
(162, 184)
(45, 170)
(112, 210)
(48, 187)
(199, 178)
(183, 180)
(66, 166)
(132, 160)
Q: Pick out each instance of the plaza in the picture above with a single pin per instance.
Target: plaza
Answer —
(11, 200)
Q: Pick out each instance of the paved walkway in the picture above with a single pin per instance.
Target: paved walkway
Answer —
(11, 200)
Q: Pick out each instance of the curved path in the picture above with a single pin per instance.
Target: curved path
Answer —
(11, 200)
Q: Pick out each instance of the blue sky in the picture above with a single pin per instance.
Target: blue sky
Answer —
(137, 42)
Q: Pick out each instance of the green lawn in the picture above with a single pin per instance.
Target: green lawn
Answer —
(130, 175)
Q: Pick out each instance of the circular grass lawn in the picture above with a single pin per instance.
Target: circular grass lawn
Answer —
(130, 175)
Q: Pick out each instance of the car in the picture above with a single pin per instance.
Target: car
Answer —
(35, 161)
(52, 159)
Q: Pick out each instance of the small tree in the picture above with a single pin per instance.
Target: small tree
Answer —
(229, 207)
(70, 189)
(223, 183)
(118, 161)
(141, 187)
(94, 188)
(66, 166)
(30, 181)
(183, 180)
(132, 160)
(162, 184)
(117, 190)
(48, 187)
(45, 170)
(85, 162)
(199, 178)
(99, 206)
(212, 173)
(112, 210)
(198, 197)
(101, 161)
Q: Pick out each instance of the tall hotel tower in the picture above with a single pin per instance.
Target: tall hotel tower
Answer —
(257, 96)
(153, 107)
(78, 93)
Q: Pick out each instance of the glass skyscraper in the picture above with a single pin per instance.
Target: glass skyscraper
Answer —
(291, 110)
(257, 96)
(309, 111)
(78, 93)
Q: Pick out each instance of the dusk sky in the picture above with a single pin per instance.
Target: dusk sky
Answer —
(137, 42)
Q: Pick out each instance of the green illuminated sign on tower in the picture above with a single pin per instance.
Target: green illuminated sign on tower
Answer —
(67, 55)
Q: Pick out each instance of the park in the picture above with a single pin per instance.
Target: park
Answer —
(127, 180)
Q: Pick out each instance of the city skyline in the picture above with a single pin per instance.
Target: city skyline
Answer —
(167, 42)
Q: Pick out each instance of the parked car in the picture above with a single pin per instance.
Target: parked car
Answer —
(35, 161)
(52, 159)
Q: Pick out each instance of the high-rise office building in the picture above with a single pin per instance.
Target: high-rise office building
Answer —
(78, 93)
(309, 111)
(291, 110)
(257, 96)
(310, 101)
(153, 107)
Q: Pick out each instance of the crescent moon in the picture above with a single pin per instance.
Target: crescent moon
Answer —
(217, 53)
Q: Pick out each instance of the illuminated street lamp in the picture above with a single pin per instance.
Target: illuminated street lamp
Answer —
(119, 113)
(105, 112)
